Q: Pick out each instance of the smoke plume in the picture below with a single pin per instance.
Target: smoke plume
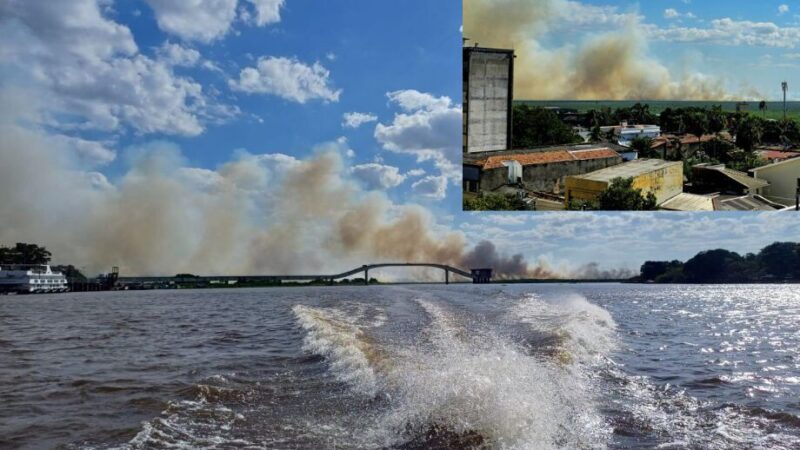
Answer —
(256, 214)
(609, 66)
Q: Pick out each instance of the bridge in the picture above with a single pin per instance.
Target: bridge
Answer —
(478, 276)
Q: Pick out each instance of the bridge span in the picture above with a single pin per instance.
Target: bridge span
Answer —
(477, 276)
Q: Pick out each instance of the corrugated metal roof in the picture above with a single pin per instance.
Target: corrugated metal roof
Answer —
(689, 202)
(745, 203)
(742, 178)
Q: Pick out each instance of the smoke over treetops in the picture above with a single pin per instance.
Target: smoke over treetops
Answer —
(611, 65)
(256, 214)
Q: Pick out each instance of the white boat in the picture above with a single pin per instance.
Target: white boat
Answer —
(28, 279)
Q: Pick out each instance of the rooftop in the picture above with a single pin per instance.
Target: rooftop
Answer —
(745, 203)
(779, 163)
(546, 157)
(689, 202)
(629, 169)
(739, 177)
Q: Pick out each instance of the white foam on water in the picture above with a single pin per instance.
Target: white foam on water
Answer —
(588, 331)
(474, 381)
(338, 336)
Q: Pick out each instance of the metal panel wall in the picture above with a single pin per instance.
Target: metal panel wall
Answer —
(488, 102)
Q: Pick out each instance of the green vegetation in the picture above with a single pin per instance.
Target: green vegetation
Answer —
(23, 253)
(536, 127)
(621, 196)
(778, 262)
(493, 202)
(773, 110)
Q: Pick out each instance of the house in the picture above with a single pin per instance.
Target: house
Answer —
(716, 178)
(783, 178)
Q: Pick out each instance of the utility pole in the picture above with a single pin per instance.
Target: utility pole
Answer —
(785, 87)
(797, 197)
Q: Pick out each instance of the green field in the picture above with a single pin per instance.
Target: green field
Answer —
(774, 109)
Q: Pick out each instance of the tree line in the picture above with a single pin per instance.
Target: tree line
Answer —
(536, 126)
(777, 262)
(31, 254)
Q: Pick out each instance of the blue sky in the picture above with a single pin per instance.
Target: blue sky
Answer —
(664, 49)
(278, 135)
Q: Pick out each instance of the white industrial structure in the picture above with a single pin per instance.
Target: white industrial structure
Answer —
(26, 279)
(627, 133)
(488, 96)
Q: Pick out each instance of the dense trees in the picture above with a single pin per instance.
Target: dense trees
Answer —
(493, 202)
(779, 261)
(748, 133)
(535, 127)
(23, 253)
(622, 196)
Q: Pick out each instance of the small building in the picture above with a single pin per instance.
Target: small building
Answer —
(481, 276)
(542, 170)
(783, 178)
(627, 133)
(488, 84)
(716, 178)
(663, 178)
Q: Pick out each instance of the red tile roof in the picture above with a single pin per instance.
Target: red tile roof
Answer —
(773, 155)
(536, 158)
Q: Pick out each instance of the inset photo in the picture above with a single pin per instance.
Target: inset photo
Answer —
(616, 105)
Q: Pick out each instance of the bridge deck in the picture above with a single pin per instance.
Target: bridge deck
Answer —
(273, 278)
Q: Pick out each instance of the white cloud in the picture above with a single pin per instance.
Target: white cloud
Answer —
(434, 187)
(783, 9)
(330, 56)
(377, 176)
(287, 78)
(672, 13)
(415, 172)
(195, 20)
(88, 68)
(727, 31)
(178, 55)
(428, 127)
(267, 11)
(356, 119)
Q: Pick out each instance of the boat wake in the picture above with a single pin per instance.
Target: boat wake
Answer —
(464, 382)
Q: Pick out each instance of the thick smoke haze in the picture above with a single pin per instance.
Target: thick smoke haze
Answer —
(612, 65)
(256, 214)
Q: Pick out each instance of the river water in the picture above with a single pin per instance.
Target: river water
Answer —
(405, 367)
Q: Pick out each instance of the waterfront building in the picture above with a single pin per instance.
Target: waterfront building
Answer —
(24, 278)
(663, 178)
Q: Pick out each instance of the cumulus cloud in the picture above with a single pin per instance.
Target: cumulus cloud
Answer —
(727, 31)
(178, 55)
(356, 119)
(378, 176)
(783, 9)
(267, 11)
(88, 71)
(89, 153)
(427, 127)
(287, 78)
(197, 20)
(431, 186)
